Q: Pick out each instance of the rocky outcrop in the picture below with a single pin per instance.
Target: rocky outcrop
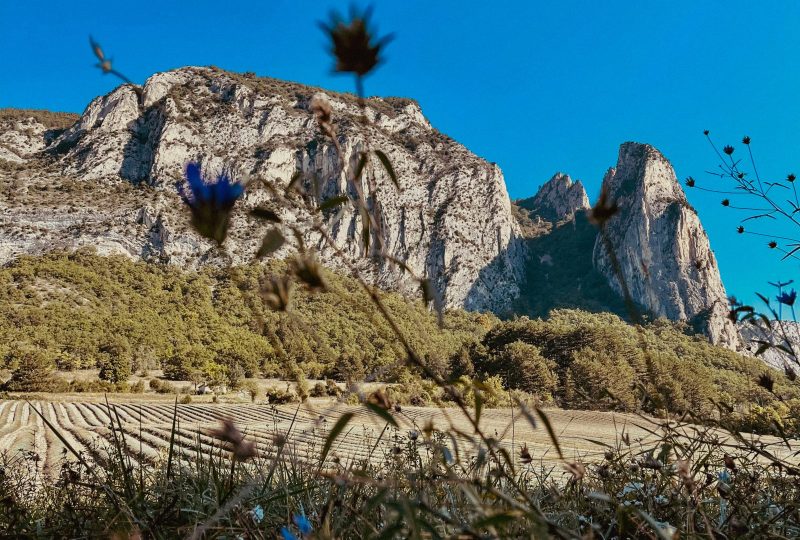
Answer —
(108, 181)
(557, 200)
(662, 248)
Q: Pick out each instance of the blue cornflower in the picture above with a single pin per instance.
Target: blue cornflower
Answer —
(303, 524)
(787, 298)
(287, 534)
(210, 203)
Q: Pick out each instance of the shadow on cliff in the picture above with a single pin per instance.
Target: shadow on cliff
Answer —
(559, 273)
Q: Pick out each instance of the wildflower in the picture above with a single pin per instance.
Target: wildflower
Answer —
(603, 210)
(257, 513)
(726, 202)
(229, 433)
(525, 454)
(787, 298)
(740, 229)
(302, 524)
(353, 45)
(773, 244)
(745, 140)
(286, 534)
(690, 182)
(413, 434)
(211, 204)
(791, 177)
(766, 381)
(728, 149)
(705, 132)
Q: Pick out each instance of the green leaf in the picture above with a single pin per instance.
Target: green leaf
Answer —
(333, 202)
(271, 243)
(388, 166)
(337, 428)
(383, 413)
(550, 432)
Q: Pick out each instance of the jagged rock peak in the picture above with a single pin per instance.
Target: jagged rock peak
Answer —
(451, 222)
(662, 248)
(558, 199)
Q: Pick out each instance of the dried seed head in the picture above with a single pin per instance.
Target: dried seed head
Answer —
(766, 381)
(790, 373)
(353, 44)
(380, 399)
(576, 469)
(728, 149)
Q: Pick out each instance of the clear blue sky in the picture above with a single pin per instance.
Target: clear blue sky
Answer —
(535, 86)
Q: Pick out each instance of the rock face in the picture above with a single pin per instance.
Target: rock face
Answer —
(108, 181)
(661, 246)
(557, 200)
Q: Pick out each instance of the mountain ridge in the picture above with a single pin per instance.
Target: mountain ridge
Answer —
(107, 181)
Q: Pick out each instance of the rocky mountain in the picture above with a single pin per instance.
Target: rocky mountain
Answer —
(663, 251)
(107, 178)
(107, 181)
(558, 199)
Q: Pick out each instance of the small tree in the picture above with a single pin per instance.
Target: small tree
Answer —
(115, 361)
(34, 373)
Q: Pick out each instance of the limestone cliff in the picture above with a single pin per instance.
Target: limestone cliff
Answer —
(662, 248)
(108, 181)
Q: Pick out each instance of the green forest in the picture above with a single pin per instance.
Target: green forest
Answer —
(78, 310)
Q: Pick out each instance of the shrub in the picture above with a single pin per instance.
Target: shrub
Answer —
(33, 373)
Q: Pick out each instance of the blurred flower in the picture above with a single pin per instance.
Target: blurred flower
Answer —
(603, 210)
(303, 524)
(286, 534)
(525, 454)
(791, 177)
(728, 149)
(790, 373)
(211, 204)
(740, 229)
(767, 382)
(705, 132)
(276, 293)
(322, 112)
(745, 140)
(353, 44)
(787, 298)
(726, 202)
(576, 469)
(690, 182)
(257, 513)
(380, 399)
(308, 270)
(229, 433)
(773, 244)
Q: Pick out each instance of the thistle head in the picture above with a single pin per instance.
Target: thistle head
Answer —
(728, 149)
(210, 203)
(353, 44)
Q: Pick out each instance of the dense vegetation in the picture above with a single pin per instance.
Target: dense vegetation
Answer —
(597, 361)
(81, 310)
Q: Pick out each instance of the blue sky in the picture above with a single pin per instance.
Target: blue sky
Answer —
(537, 87)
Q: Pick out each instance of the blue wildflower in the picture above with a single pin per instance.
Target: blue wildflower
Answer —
(787, 298)
(303, 524)
(287, 534)
(210, 203)
(257, 513)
